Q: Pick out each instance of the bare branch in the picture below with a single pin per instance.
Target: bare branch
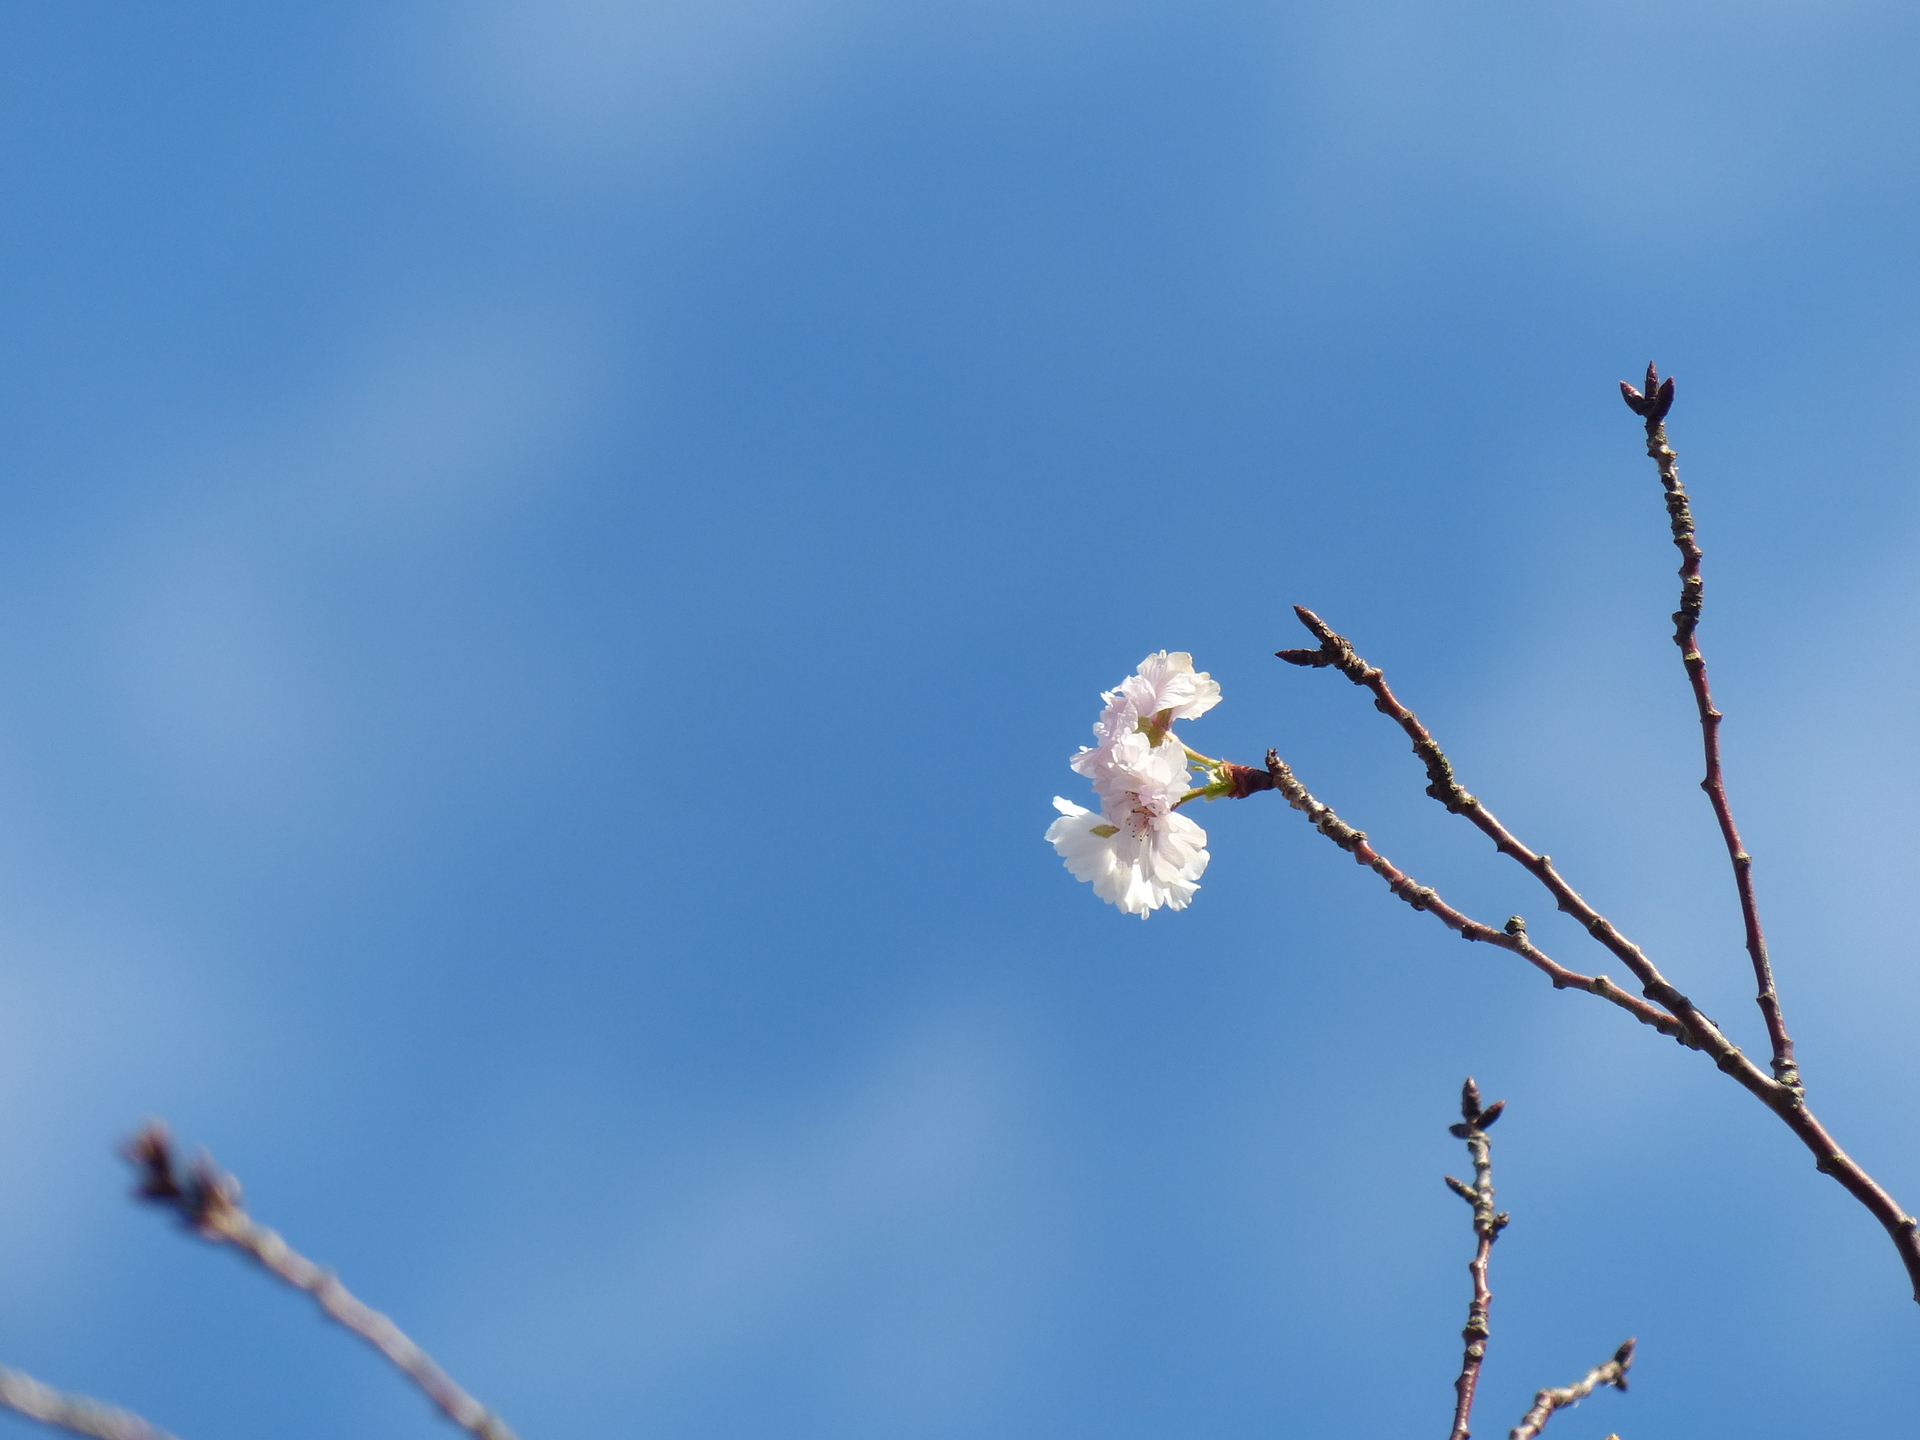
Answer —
(1613, 1373)
(1422, 897)
(1487, 1225)
(1686, 621)
(1697, 1031)
(208, 1201)
(76, 1414)
(1336, 652)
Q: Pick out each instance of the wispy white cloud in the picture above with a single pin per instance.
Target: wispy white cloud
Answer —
(589, 83)
(588, 88)
(228, 661)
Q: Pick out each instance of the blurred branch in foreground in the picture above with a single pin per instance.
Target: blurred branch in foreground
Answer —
(208, 1200)
(76, 1414)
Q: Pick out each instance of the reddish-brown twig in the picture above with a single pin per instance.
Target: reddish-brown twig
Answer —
(1487, 1225)
(1695, 1029)
(1652, 407)
(1422, 897)
(208, 1200)
(1613, 1373)
(76, 1414)
(1335, 652)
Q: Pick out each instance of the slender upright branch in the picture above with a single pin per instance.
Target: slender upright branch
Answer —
(1423, 897)
(1652, 407)
(1695, 1029)
(1487, 1225)
(208, 1201)
(76, 1414)
(1613, 1372)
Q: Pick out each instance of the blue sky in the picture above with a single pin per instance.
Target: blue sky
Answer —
(552, 556)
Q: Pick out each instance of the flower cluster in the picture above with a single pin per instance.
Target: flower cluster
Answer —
(1138, 851)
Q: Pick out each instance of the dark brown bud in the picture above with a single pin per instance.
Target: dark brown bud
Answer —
(1491, 1114)
(1661, 401)
(1636, 402)
(1305, 657)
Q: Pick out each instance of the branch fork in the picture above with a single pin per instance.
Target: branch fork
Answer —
(1661, 1005)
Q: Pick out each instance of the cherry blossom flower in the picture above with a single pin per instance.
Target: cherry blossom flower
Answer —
(1145, 861)
(1167, 688)
(1138, 852)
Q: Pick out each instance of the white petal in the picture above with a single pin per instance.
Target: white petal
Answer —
(1167, 683)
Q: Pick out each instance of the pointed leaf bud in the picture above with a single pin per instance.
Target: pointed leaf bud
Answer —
(1661, 401)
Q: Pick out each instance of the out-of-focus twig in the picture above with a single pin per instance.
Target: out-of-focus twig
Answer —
(1487, 1225)
(1652, 408)
(1422, 897)
(208, 1200)
(76, 1414)
(1613, 1372)
(1694, 1029)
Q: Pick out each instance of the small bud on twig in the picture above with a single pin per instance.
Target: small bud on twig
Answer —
(1314, 658)
(1655, 402)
